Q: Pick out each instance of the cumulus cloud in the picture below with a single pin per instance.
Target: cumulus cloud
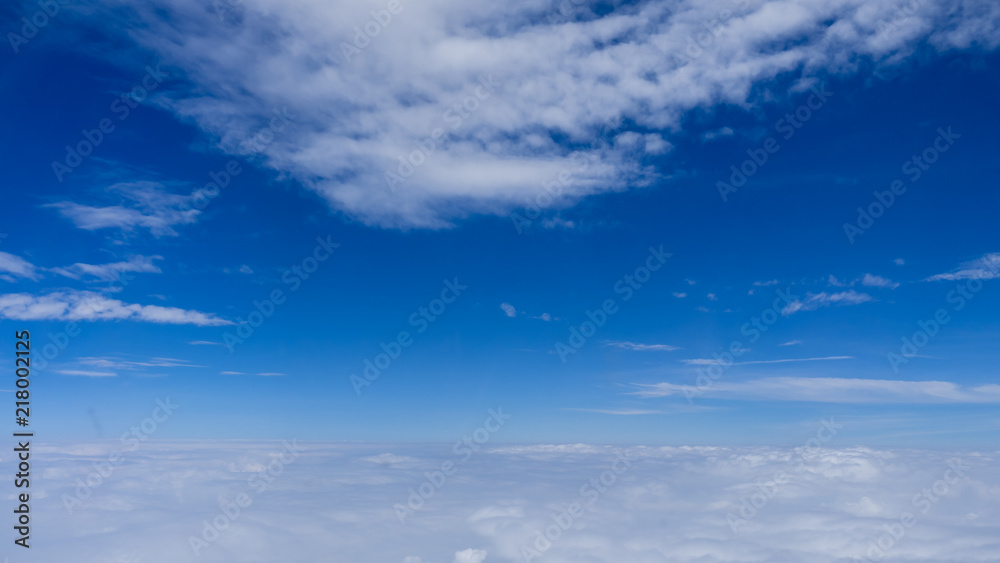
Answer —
(465, 80)
(814, 301)
(669, 503)
(17, 266)
(985, 268)
(91, 306)
(508, 309)
(834, 390)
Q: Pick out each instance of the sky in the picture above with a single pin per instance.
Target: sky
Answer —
(659, 223)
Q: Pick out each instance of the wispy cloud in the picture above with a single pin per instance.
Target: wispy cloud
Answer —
(985, 268)
(86, 373)
(143, 205)
(90, 306)
(17, 266)
(835, 390)
(765, 283)
(814, 301)
(680, 295)
(791, 343)
(713, 361)
(870, 280)
(270, 373)
(642, 347)
(112, 271)
(204, 343)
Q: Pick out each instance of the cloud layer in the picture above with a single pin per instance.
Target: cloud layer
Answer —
(92, 306)
(637, 504)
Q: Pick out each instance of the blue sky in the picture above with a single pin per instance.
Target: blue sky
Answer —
(197, 262)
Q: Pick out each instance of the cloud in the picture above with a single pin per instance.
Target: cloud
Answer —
(142, 205)
(712, 297)
(899, 261)
(715, 362)
(86, 373)
(835, 390)
(508, 309)
(17, 266)
(270, 373)
(680, 295)
(670, 500)
(791, 343)
(244, 269)
(470, 556)
(717, 133)
(765, 283)
(90, 306)
(870, 280)
(985, 268)
(110, 272)
(204, 343)
(814, 301)
(544, 316)
(121, 363)
(642, 347)
(357, 118)
(620, 412)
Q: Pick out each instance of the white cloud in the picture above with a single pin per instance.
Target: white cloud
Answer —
(271, 373)
(717, 133)
(870, 280)
(354, 119)
(765, 283)
(142, 205)
(231, 373)
(835, 390)
(680, 295)
(985, 268)
(670, 504)
(17, 266)
(470, 556)
(244, 269)
(204, 343)
(899, 261)
(86, 373)
(110, 272)
(714, 362)
(90, 306)
(814, 301)
(790, 343)
(508, 309)
(620, 412)
(642, 347)
(712, 297)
